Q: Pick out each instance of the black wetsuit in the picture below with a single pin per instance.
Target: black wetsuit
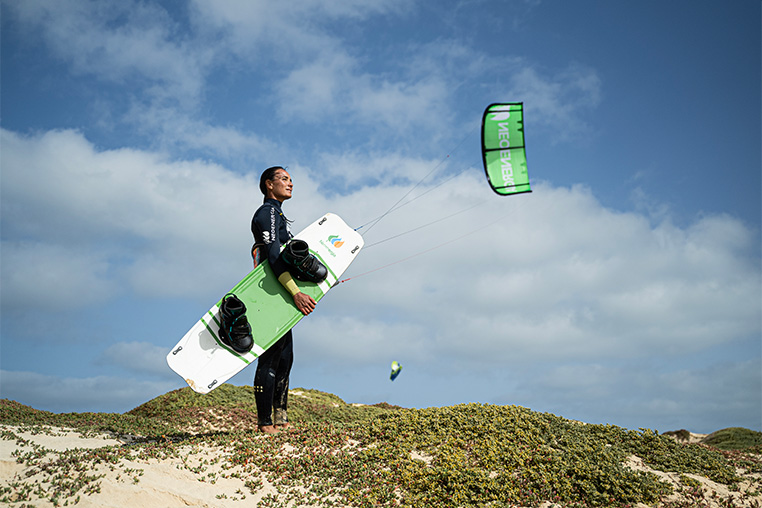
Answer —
(270, 230)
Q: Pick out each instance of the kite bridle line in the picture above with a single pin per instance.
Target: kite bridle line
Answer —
(424, 225)
(433, 170)
(395, 208)
(438, 246)
(547, 207)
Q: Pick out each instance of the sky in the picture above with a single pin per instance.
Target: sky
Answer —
(625, 289)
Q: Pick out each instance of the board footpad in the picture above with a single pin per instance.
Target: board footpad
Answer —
(235, 330)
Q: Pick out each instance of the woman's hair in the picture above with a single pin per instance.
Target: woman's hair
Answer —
(267, 174)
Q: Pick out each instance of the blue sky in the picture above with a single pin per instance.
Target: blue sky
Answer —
(625, 289)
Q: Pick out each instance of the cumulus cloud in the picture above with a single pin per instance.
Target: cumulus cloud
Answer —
(337, 88)
(72, 394)
(414, 94)
(138, 357)
(53, 276)
(296, 31)
(467, 282)
(168, 59)
(557, 101)
(180, 132)
(551, 276)
(110, 218)
(670, 393)
(120, 42)
(542, 277)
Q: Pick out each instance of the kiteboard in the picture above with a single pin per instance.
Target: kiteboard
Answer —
(205, 362)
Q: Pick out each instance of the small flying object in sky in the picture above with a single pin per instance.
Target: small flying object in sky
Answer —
(396, 369)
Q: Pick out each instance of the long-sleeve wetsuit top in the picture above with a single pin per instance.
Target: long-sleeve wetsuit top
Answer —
(270, 230)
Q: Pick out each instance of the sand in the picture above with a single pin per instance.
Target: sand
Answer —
(137, 484)
(192, 478)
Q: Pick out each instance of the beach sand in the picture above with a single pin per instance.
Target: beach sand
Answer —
(169, 482)
(192, 477)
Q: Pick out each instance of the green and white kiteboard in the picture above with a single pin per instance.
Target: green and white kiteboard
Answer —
(202, 359)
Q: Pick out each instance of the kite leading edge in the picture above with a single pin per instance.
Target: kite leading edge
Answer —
(503, 150)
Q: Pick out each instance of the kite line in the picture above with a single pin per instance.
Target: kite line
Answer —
(433, 170)
(440, 245)
(505, 165)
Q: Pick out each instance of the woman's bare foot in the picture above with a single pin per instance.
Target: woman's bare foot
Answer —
(283, 426)
(267, 429)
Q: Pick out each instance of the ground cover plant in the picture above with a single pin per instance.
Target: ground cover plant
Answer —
(340, 454)
(735, 438)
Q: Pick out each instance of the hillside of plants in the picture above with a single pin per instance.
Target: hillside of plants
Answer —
(339, 454)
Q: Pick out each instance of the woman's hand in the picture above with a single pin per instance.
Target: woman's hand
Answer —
(304, 302)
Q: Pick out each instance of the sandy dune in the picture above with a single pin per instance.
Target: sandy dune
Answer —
(193, 478)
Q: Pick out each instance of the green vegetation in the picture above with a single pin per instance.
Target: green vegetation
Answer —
(735, 438)
(680, 435)
(13, 413)
(351, 455)
(184, 406)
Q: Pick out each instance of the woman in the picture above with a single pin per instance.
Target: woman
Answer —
(270, 229)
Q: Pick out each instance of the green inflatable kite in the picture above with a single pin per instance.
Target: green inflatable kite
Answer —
(505, 160)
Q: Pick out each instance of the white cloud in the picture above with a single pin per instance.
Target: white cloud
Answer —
(314, 90)
(71, 394)
(410, 97)
(557, 102)
(336, 88)
(551, 282)
(138, 357)
(294, 30)
(120, 216)
(127, 43)
(178, 131)
(552, 274)
(390, 175)
(704, 399)
(349, 339)
(297, 63)
(51, 276)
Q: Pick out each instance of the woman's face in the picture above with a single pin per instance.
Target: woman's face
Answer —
(280, 186)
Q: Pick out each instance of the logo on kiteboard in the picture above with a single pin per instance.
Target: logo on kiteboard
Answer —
(336, 241)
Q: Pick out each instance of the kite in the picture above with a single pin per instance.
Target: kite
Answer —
(396, 369)
(505, 160)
